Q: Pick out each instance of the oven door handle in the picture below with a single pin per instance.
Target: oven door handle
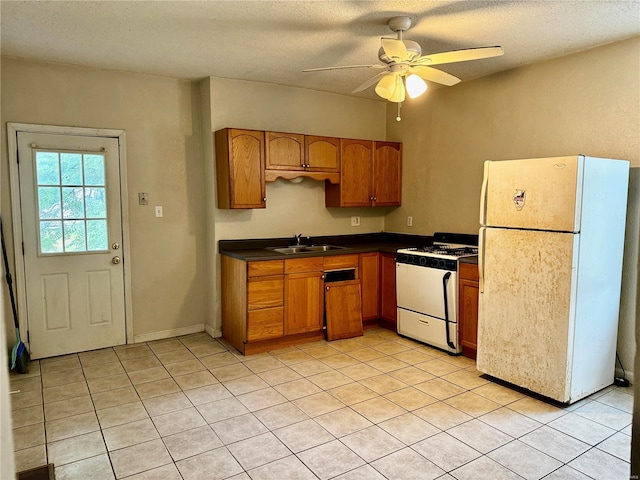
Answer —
(445, 280)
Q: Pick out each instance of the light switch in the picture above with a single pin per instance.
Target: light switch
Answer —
(355, 221)
(159, 212)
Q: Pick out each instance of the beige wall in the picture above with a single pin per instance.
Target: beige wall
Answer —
(583, 103)
(161, 117)
(291, 208)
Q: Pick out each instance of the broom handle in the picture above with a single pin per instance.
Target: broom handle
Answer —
(8, 277)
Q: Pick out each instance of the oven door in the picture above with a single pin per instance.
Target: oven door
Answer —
(422, 290)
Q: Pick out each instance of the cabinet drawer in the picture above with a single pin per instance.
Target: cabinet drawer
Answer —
(265, 323)
(296, 265)
(262, 269)
(265, 292)
(340, 261)
(469, 271)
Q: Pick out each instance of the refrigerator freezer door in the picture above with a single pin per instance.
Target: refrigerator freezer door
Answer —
(526, 311)
(540, 194)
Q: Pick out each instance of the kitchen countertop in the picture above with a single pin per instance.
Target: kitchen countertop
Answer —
(256, 249)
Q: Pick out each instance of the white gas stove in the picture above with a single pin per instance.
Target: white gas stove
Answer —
(427, 289)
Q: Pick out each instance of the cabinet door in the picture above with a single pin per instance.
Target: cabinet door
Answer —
(388, 305)
(387, 174)
(344, 314)
(468, 316)
(370, 282)
(303, 302)
(322, 153)
(355, 179)
(285, 151)
(240, 161)
(265, 324)
(264, 292)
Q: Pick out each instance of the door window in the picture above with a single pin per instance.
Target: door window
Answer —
(72, 202)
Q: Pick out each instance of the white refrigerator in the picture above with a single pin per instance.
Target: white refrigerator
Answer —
(550, 264)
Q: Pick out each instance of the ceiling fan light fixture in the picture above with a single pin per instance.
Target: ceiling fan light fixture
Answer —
(398, 93)
(386, 86)
(415, 86)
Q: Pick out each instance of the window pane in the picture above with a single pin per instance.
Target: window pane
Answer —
(94, 170)
(47, 168)
(74, 236)
(51, 237)
(71, 168)
(97, 235)
(96, 201)
(49, 203)
(72, 202)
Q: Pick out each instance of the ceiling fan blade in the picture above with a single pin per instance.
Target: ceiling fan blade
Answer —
(455, 56)
(368, 83)
(340, 67)
(394, 48)
(435, 75)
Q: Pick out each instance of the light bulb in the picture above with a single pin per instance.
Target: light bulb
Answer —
(398, 93)
(386, 86)
(415, 86)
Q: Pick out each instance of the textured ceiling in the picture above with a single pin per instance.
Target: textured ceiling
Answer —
(272, 41)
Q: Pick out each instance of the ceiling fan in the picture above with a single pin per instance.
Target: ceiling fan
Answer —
(403, 59)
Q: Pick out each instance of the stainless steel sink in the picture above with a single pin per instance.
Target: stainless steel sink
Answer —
(305, 249)
(322, 248)
(289, 250)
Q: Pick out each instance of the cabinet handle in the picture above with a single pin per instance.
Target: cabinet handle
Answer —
(322, 276)
(264, 199)
(327, 288)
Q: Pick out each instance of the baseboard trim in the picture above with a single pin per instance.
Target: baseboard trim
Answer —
(174, 332)
(214, 332)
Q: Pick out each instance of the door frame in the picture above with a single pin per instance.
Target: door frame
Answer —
(16, 212)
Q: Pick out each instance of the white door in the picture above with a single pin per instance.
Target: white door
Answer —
(526, 308)
(72, 235)
(540, 193)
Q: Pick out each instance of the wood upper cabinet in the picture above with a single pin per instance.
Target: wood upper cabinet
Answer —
(285, 151)
(388, 304)
(303, 295)
(322, 153)
(387, 174)
(240, 165)
(370, 281)
(370, 175)
(468, 309)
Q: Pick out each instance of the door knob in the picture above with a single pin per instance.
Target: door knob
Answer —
(115, 245)
(115, 260)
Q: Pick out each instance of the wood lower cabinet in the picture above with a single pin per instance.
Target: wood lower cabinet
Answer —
(252, 301)
(240, 166)
(468, 309)
(388, 304)
(370, 281)
(344, 313)
(303, 295)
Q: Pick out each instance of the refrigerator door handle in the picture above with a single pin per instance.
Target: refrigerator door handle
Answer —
(483, 194)
(445, 280)
(481, 242)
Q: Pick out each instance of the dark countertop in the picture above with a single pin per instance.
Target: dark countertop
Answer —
(256, 249)
(473, 260)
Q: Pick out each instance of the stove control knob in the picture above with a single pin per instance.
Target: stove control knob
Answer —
(423, 261)
(441, 263)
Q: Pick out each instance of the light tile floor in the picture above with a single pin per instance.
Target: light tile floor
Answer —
(379, 406)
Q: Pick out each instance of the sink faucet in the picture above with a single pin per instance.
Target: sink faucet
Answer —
(297, 238)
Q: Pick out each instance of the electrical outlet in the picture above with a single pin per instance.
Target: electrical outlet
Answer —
(409, 221)
(159, 211)
(143, 199)
(355, 221)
